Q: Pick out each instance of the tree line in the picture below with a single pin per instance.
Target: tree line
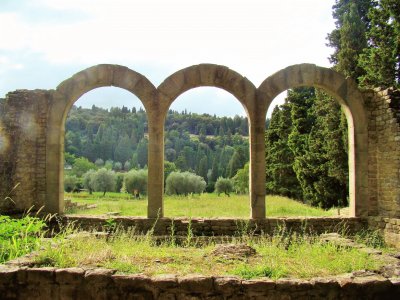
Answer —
(208, 146)
(306, 142)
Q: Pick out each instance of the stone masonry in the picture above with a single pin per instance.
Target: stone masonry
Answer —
(32, 134)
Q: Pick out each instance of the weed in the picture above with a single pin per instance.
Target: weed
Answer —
(249, 272)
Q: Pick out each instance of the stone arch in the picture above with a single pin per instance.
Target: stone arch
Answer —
(232, 82)
(345, 91)
(65, 95)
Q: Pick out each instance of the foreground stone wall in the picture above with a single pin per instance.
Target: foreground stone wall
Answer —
(23, 124)
(78, 283)
(219, 227)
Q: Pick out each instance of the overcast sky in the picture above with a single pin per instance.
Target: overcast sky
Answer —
(43, 42)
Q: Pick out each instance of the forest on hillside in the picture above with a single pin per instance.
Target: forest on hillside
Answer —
(209, 146)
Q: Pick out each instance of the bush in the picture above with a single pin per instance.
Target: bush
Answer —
(184, 183)
(224, 185)
(135, 182)
(104, 181)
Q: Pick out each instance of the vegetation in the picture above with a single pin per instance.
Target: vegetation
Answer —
(224, 185)
(19, 236)
(306, 142)
(204, 205)
(280, 255)
(184, 183)
(135, 182)
(208, 146)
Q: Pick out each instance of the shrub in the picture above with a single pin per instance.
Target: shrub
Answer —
(135, 182)
(184, 183)
(224, 185)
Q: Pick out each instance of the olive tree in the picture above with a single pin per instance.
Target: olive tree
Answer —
(224, 185)
(184, 183)
(135, 182)
(87, 180)
(104, 181)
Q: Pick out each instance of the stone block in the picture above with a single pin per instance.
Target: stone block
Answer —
(69, 275)
(195, 283)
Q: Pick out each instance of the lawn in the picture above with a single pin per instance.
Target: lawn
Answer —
(205, 205)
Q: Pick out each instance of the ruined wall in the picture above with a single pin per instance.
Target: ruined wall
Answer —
(23, 123)
(219, 227)
(384, 152)
(79, 283)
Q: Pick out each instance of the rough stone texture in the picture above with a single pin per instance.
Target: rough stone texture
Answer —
(219, 227)
(32, 135)
(384, 149)
(50, 283)
(23, 123)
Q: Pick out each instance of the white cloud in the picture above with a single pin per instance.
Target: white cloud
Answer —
(255, 38)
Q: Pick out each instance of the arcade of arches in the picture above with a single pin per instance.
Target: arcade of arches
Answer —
(32, 134)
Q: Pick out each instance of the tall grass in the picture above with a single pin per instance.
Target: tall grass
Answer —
(205, 205)
(280, 255)
(19, 236)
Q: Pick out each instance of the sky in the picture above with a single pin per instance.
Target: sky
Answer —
(43, 42)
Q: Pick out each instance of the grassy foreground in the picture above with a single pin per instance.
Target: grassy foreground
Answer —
(205, 205)
(277, 256)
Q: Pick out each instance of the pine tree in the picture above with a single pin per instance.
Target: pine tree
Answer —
(381, 59)
(280, 177)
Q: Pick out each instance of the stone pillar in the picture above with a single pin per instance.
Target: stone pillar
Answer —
(257, 165)
(155, 184)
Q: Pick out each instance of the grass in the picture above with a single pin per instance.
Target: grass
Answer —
(277, 256)
(19, 236)
(205, 205)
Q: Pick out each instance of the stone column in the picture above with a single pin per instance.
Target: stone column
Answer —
(155, 184)
(257, 165)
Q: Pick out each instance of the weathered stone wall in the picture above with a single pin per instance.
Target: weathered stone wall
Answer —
(221, 227)
(78, 283)
(389, 227)
(23, 123)
(384, 152)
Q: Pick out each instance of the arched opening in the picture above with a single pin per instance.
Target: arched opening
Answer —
(346, 93)
(206, 145)
(106, 156)
(213, 76)
(307, 157)
(63, 98)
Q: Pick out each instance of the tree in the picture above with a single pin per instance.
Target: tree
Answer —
(70, 183)
(142, 153)
(184, 183)
(169, 167)
(87, 180)
(127, 165)
(81, 166)
(136, 182)
(123, 150)
(99, 163)
(241, 180)
(117, 166)
(104, 181)
(381, 59)
(236, 162)
(224, 185)
(280, 176)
